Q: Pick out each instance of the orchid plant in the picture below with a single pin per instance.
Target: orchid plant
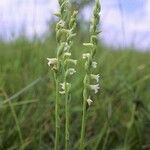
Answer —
(65, 32)
(63, 66)
(90, 64)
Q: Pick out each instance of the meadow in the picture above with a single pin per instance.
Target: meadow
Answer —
(118, 118)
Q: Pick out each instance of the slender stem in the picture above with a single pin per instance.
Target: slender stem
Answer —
(17, 123)
(129, 128)
(101, 135)
(83, 119)
(106, 139)
(66, 112)
(16, 120)
(56, 114)
(67, 120)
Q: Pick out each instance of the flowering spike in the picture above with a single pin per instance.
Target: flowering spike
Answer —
(65, 31)
(89, 64)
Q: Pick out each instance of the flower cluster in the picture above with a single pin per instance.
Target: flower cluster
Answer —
(68, 62)
(55, 63)
(65, 31)
(90, 64)
(63, 64)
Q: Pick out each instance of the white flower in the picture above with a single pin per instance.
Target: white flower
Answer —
(94, 64)
(62, 92)
(86, 55)
(89, 101)
(88, 44)
(67, 47)
(63, 87)
(52, 61)
(71, 71)
(95, 87)
(95, 77)
(67, 54)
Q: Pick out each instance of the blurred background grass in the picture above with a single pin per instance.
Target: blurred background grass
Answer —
(27, 96)
(125, 82)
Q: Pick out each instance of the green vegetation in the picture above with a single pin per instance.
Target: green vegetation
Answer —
(45, 110)
(62, 68)
(90, 64)
(118, 119)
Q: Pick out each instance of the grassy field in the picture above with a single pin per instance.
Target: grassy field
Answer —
(118, 119)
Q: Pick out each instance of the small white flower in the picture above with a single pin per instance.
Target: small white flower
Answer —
(52, 61)
(71, 71)
(65, 87)
(67, 47)
(67, 54)
(86, 55)
(88, 44)
(62, 92)
(89, 101)
(95, 87)
(95, 77)
(94, 64)
(62, 86)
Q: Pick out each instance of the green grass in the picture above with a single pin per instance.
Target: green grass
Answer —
(29, 113)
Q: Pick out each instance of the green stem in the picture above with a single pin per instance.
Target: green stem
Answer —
(106, 139)
(16, 120)
(56, 114)
(129, 128)
(17, 123)
(85, 96)
(67, 120)
(101, 135)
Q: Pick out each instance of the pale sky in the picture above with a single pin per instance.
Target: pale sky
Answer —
(32, 16)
